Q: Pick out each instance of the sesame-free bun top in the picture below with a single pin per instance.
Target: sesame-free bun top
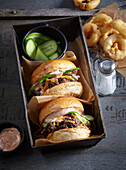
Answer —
(57, 104)
(49, 66)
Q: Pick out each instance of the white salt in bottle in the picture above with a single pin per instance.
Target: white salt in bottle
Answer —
(106, 77)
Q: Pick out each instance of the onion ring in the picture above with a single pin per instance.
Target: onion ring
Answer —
(106, 31)
(101, 20)
(86, 4)
(120, 26)
(92, 34)
(115, 46)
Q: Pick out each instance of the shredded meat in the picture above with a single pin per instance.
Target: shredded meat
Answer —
(52, 83)
(61, 125)
(37, 90)
(63, 80)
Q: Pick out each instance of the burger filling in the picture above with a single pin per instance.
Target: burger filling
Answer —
(53, 79)
(69, 120)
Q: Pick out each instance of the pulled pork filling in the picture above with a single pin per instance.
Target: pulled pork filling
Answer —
(66, 121)
(39, 88)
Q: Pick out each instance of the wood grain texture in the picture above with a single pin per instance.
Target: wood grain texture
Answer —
(110, 153)
(39, 4)
(13, 13)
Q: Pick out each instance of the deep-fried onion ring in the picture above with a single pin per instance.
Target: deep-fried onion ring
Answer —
(115, 47)
(92, 34)
(86, 4)
(101, 20)
(120, 26)
(105, 33)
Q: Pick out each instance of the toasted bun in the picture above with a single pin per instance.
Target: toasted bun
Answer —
(48, 67)
(57, 104)
(69, 134)
(74, 89)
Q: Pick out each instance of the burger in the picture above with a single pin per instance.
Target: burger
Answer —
(56, 77)
(63, 119)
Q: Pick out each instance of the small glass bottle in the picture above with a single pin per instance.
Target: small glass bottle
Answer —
(106, 77)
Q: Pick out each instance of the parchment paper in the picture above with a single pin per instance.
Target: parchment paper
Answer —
(113, 11)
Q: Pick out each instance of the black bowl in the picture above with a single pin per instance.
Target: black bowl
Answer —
(5, 125)
(50, 32)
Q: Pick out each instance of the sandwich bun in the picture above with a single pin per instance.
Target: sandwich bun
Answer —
(57, 104)
(69, 134)
(74, 89)
(65, 134)
(49, 66)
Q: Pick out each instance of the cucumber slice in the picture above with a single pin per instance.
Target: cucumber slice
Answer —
(49, 47)
(40, 56)
(37, 37)
(54, 56)
(59, 50)
(30, 48)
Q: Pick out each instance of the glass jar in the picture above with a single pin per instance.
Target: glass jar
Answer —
(106, 77)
